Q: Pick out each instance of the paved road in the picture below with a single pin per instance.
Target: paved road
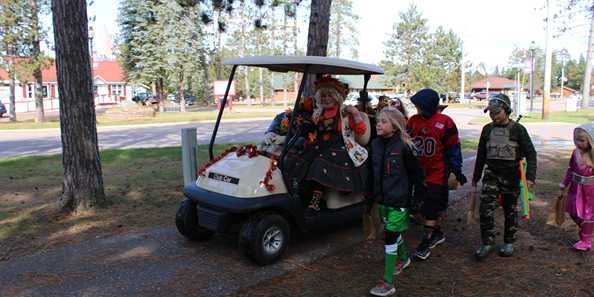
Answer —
(47, 141)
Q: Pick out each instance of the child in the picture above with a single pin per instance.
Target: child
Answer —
(336, 158)
(436, 138)
(579, 180)
(395, 170)
(502, 144)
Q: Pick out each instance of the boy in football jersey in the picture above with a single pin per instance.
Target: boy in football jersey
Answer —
(436, 138)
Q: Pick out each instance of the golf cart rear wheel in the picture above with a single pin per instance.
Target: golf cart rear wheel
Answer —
(186, 220)
(265, 238)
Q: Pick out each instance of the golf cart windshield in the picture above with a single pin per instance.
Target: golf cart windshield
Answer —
(303, 64)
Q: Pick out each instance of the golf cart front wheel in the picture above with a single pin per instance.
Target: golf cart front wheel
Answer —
(265, 238)
(186, 220)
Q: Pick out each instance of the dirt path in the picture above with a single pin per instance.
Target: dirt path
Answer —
(543, 265)
(159, 262)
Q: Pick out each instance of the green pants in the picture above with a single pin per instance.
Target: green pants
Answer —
(395, 223)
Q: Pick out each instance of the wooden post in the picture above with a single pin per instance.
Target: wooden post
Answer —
(189, 158)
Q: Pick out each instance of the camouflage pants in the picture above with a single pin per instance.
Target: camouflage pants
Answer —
(497, 189)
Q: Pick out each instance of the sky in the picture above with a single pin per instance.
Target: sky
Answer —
(489, 29)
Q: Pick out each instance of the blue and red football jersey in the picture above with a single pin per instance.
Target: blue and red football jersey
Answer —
(438, 146)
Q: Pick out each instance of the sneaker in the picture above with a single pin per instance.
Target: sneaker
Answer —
(401, 265)
(423, 250)
(582, 246)
(436, 239)
(483, 252)
(382, 289)
(507, 250)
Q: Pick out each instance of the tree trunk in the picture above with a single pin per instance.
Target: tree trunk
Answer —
(219, 48)
(12, 87)
(36, 57)
(285, 46)
(273, 46)
(180, 93)
(82, 187)
(317, 36)
(242, 48)
(338, 24)
(296, 50)
(588, 72)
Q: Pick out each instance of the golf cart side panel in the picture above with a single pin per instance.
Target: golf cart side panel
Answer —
(241, 177)
(217, 210)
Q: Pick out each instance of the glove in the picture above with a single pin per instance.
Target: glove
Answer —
(269, 138)
(461, 178)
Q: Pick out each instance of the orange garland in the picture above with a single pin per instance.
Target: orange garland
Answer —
(249, 149)
(266, 182)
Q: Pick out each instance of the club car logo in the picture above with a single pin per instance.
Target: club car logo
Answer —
(223, 178)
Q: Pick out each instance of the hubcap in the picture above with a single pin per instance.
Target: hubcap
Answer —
(273, 239)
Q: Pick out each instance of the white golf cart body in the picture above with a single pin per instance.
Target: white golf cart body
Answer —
(230, 195)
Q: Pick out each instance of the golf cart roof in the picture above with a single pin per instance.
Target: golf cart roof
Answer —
(317, 65)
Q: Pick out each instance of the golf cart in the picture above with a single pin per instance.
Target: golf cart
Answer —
(247, 191)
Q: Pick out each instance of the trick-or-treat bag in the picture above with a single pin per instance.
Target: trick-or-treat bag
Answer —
(473, 207)
(556, 215)
(372, 226)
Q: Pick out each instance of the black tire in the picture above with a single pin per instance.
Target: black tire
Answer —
(264, 238)
(186, 220)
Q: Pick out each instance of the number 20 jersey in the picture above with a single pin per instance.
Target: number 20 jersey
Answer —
(433, 137)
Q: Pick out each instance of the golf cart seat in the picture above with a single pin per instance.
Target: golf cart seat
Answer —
(336, 200)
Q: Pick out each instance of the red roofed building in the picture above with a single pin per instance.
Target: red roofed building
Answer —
(110, 87)
(495, 84)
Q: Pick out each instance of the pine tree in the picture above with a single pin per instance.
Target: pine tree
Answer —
(405, 49)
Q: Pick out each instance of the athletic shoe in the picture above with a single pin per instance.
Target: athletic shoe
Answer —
(582, 246)
(483, 252)
(507, 250)
(401, 265)
(423, 250)
(436, 239)
(382, 289)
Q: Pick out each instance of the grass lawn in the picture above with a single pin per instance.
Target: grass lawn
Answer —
(143, 186)
(581, 116)
(473, 104)
(162, 117)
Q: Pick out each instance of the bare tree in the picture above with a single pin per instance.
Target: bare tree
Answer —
(82, 187)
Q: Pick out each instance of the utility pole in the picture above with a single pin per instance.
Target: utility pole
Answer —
(462, 70)
(562, 75)
(532, 75)
(548, 61)
(588, 73)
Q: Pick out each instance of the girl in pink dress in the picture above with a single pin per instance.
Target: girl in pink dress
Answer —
(579, 182)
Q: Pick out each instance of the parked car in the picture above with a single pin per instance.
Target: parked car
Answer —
(145, 99)
(2, 109)
(452, 97)
(353, 98)
(189, 99)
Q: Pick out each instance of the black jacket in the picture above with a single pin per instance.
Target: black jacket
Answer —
(396, 170)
